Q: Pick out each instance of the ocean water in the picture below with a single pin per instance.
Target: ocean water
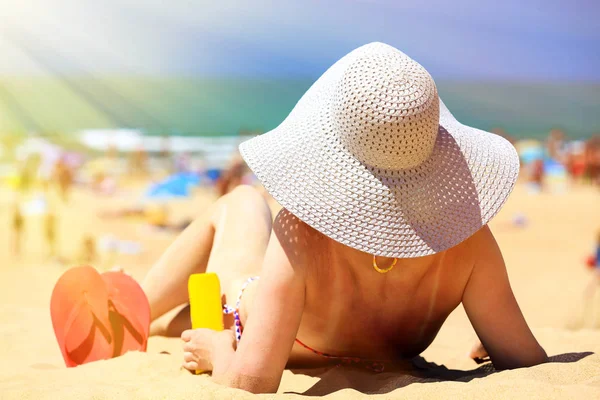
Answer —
(226, 107)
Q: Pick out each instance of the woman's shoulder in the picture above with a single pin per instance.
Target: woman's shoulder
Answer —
(483, 237)
(481, 244)
(297, 236)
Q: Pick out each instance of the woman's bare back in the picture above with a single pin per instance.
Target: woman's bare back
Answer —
(351, 310)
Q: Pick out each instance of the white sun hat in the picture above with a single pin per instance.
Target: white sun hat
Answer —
(372, 158)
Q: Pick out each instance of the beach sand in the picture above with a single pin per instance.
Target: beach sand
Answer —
(544, 260)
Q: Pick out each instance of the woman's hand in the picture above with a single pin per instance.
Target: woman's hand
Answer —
(204, 348)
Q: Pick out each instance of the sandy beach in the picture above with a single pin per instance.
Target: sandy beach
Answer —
(545, 261)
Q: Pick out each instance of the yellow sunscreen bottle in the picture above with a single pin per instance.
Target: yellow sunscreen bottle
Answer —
(206, 310)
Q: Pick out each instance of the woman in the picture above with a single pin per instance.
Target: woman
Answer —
(383, 233)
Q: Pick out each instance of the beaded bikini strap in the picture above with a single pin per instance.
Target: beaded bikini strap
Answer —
(235, 311)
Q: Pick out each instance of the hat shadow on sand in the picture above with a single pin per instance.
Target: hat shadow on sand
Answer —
(367, 382)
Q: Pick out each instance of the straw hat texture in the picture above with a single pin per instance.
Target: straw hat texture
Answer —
(372, 158)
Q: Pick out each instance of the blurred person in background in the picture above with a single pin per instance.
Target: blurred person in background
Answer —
(63, 175)
(18, 223)
(576, 161)
(594, 285)
(165, 155)
(536, 174)
(555, 145)
(87, 252)
(27, 173)
(138, 162)
(232, 176)
(592, 159)
(182, 162)
(50, 232)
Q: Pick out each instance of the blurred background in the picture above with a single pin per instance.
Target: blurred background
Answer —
(120, 120)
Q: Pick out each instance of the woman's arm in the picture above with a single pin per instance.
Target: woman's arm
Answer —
(273, 321)
(493, 310)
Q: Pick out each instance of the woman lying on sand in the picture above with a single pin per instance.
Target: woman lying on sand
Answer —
(383, 233)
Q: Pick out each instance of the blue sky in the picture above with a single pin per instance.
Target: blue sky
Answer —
(472, 40)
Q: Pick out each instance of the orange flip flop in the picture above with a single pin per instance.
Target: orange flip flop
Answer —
(97, 317)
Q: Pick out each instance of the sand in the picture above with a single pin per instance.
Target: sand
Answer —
(544, 259)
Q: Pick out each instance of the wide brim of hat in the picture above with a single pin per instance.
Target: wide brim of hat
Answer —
(394, 213)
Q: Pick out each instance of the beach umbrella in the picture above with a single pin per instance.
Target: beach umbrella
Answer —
(553, 168)
(175, 186)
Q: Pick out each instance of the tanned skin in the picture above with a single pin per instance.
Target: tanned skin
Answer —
(329, 296)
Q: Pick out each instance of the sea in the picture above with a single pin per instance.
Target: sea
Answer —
(226, 107)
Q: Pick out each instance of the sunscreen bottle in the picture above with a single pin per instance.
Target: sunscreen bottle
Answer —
(206, 310)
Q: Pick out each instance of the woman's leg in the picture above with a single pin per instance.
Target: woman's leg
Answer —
(230, 240)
